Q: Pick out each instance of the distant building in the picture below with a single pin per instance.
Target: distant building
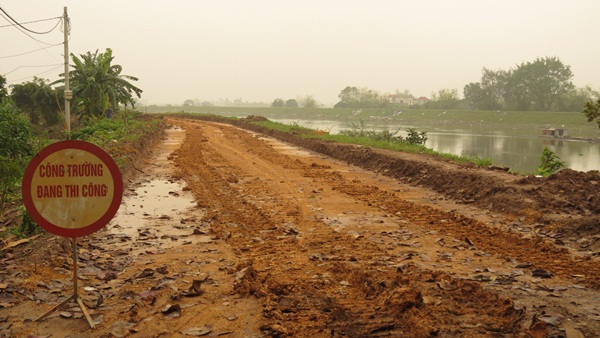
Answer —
(421, 100)
(554, 132)
(401, 99)
(406, 100)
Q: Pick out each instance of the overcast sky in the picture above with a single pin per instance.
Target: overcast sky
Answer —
(259, 50)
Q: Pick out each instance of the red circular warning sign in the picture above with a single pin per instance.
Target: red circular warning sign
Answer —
(72, 188)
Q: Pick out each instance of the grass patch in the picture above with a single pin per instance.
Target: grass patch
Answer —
(286, 128)
(371, 140)
(402, 147)
(119, 135)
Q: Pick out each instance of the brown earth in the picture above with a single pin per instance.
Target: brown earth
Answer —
(232, 233)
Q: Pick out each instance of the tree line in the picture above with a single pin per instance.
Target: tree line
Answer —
(544, 84)
(96, 82)
(307, 101)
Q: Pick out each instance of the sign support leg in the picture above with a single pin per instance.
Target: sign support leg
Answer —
(75, 295)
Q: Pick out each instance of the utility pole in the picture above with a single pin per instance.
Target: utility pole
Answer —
(68, 92)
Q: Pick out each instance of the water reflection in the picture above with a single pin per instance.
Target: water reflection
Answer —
(518, 149)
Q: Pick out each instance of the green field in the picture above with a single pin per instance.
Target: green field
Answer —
(575, 122)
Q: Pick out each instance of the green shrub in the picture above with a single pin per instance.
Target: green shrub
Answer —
(550, 163)
(28, 226)
(118, 134)
(356, 129)
(11, 174)
(15, 151)
(416, 137)
(15, 131)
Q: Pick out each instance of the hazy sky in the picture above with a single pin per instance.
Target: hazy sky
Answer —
(259, 50)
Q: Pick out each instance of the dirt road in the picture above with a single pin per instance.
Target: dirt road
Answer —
(229, 233)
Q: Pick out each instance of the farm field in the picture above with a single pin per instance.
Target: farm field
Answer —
(574, 121)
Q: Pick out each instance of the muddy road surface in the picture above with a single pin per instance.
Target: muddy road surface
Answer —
(226, 232)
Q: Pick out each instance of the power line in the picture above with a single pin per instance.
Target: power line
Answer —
(23, 27)
(20, 29)
(32, 51)
(44, 72)
(24, 23)
(37, 66)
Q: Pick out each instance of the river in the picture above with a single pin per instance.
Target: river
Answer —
(518, 149)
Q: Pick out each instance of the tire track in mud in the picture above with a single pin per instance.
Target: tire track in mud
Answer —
(533, 252)
(315, 281)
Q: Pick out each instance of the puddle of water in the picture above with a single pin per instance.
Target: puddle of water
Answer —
(157, 199)
(158, 214)
(286, 148)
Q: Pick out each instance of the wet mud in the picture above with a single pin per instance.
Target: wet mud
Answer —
(227, 232)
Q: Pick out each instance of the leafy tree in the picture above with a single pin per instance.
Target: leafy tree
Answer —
(475, 95)
(444, 99)
(308, 101)
(486, 94)
(353, 97)
(15, 149)
(277, 103)
(543, 84)
(592, 111)
(188, 103)
(575, 99)
(3, 91)
(38, 100)
(98, 84)
(15, 132)
(492, 82)
(291, 103)
(349, 98)
(516, 92)
(546, 79)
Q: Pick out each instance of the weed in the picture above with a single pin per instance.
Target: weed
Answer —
(550, 163)
(11, 174)
(28, 226)
(416, 137)
(116, 135)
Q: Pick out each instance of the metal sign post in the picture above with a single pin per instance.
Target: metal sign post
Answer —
(75, 295)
